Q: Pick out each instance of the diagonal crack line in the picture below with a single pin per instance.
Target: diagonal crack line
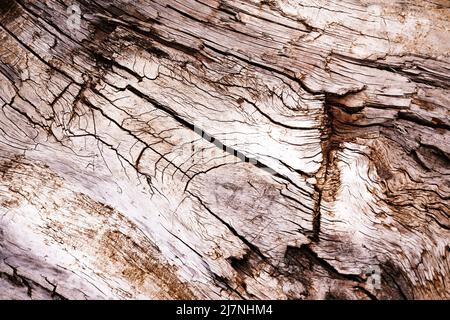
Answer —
(21, 281)
(314, 257)
(366, 292)
(257, 251)
(184, 242)
(232, 229)
(35, 54)
(219, 144)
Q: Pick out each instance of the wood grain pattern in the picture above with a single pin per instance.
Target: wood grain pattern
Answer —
(198, 149)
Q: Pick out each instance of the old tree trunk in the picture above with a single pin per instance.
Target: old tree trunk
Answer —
(257, 149)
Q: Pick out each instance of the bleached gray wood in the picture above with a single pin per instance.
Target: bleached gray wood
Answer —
(341, 109)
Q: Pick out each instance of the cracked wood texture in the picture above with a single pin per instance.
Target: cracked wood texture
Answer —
(340, 109)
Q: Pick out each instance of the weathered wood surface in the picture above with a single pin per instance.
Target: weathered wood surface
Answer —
(107, 191)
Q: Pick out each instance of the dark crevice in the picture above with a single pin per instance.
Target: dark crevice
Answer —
(108, 64)
(322, 179)
(366, 292)
(202, 133)
(305, 250)
(408, 116)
